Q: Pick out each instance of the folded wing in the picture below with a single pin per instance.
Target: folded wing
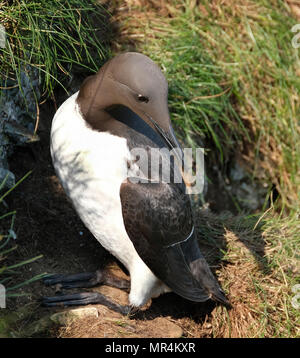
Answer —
(158, 219)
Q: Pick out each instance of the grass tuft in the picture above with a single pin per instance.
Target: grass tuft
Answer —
(54, 37)
(257, 263)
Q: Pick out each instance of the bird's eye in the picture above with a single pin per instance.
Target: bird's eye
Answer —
(142, 98)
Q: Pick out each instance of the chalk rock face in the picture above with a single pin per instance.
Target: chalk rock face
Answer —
(18, 111)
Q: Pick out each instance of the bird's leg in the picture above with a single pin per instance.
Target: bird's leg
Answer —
(87, 279)
(84, 298)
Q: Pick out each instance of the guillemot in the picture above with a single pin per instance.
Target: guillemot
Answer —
(147, 225)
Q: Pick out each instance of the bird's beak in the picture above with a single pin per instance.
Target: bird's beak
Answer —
(169, 137)
(167, 134)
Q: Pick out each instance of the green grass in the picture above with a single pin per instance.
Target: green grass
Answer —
(199, 104)
(255, 52)
(53, 37)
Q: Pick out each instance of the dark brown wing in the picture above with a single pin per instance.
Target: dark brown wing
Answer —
(158, 220)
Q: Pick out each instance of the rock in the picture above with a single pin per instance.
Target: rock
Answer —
(250, 194)
(166, 329)
(237, 173)
(18, 112)
(73, 314)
